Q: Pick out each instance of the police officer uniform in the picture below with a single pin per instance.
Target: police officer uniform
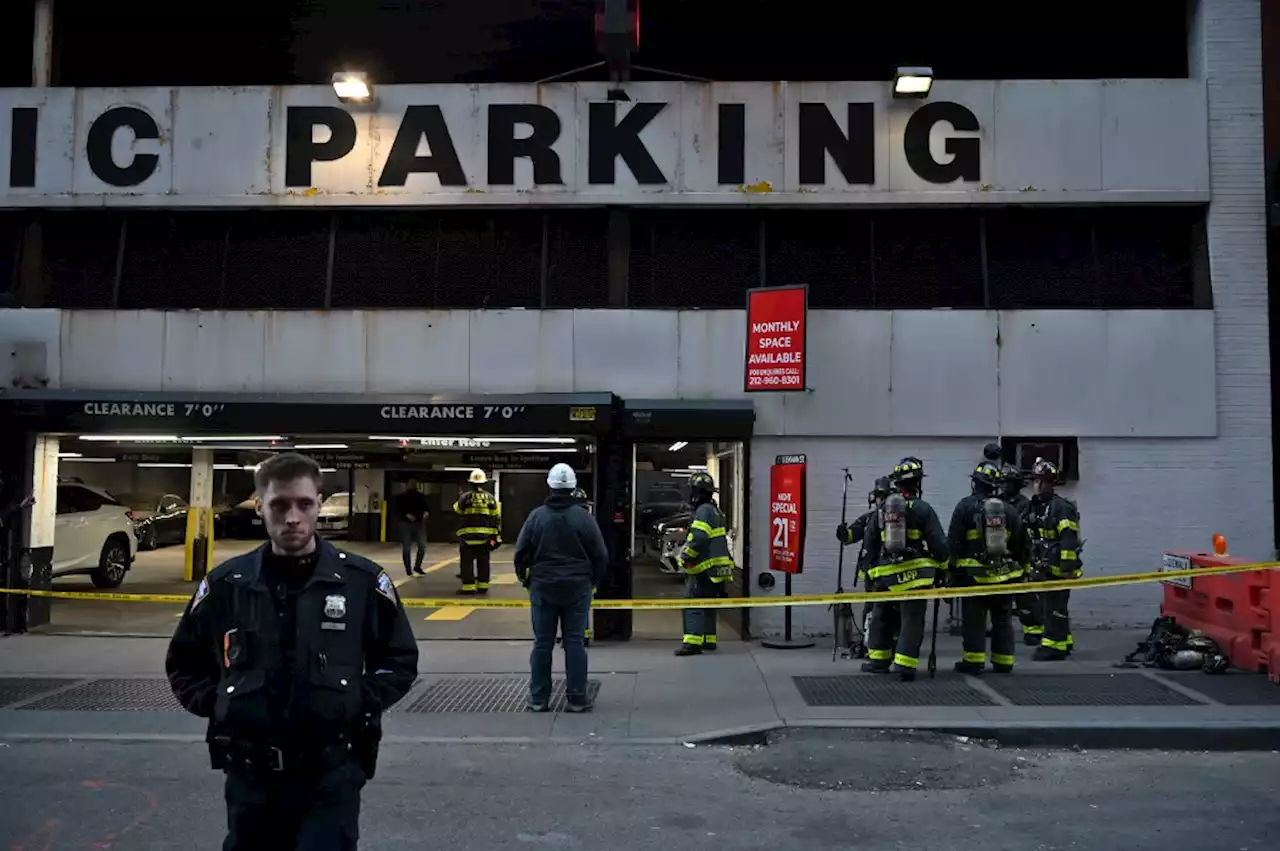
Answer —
(1053, 524)
(293, 659)
(707, 565)
(988, 547)
(479, 534)
(915, 566)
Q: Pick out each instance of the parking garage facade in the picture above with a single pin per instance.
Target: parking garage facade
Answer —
(1056, 251)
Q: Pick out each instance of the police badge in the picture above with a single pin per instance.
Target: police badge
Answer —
(386, 587)
(201, 593)
(335, 606)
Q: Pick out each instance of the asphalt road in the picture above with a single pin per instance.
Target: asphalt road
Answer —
(819, 789)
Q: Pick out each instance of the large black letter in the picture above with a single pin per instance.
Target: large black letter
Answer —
(731, 158)
(504, 147)
(606, 141)
(854, 156)
(300, 151)
(403, 160)
(22, 146)
(98, 146)
(966, 154)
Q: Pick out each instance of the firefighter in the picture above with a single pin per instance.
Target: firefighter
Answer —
(856, 532)
(479, 534)
(906, 548)
(1012, 482)
(707, 565)
(1053, 526)
(988, 547)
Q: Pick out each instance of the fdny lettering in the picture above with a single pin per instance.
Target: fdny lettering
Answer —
(428, 412)
(130, 409)
(121, 143)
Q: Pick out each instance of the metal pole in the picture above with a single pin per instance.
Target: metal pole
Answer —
(42, 45)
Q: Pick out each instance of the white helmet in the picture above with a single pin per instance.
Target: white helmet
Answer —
(562, 477)
(477, 477)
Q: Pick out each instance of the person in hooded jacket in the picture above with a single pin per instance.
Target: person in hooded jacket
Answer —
(561, 557)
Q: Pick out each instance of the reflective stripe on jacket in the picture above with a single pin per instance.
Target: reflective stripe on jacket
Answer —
(706, 547)
(481, 517)
(925, 555)
(1054, 526)
(968, 546)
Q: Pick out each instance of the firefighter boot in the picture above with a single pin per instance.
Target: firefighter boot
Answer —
(1048, 654)
(689, 650)
(875, 666)
(907, 675)
(972, 668)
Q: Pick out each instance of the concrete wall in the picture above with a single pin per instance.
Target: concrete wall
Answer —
(871, 373)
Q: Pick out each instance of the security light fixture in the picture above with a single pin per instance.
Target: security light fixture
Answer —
(677, 446)
(131, 438)
(253, 438)
(352, 87)
(912, 82)
(301, 446)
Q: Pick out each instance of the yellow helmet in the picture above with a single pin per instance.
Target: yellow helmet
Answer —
(477, 477)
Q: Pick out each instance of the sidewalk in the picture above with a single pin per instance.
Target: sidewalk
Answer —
(58, 686)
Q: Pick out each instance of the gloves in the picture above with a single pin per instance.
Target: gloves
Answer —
(842, 533)
(494, 543)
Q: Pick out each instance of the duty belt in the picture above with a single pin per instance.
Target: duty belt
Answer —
(257, 757)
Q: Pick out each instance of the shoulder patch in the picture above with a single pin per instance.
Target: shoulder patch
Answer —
(201, 593)
(386, 587)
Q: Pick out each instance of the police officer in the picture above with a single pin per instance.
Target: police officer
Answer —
(1053, 524)
(906, 548)
(855, 532)
(988, 547)
(293, 652)
(479, 534)
(707, 565)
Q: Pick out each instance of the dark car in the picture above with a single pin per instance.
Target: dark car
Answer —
(239, 522)
(159, 521)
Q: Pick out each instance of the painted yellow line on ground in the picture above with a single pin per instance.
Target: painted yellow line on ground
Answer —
(451, 613)
(440, 565)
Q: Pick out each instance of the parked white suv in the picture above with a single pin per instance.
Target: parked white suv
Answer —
(93, 534)
(334, 514)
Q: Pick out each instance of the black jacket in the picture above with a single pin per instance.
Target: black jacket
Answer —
(355, 653)
(968, 549)
(926, 551)
(411, 502)
(560, 542)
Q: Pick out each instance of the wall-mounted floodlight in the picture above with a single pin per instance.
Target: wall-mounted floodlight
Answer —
(352, 87)
(912, 82)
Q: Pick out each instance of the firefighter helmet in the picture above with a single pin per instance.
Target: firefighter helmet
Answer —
(986, 478)
(1043, 469)
(992, 452)
(579, 494)
(701, 482)
(562, 477)
(477, 477)
(909, 470)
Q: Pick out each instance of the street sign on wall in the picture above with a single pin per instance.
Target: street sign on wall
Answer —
(777, 319)
(787, 514)
(804, 143)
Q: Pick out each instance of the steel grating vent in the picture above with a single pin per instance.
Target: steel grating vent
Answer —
(878, 690)
(111, 695)
(486, 694)
(17, 689)
(1088, 690)
(1230, 689)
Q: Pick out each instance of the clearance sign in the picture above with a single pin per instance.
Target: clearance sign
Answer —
(776, 324)
(787, 514)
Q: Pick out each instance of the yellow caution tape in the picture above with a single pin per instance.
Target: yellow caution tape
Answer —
(743, 602)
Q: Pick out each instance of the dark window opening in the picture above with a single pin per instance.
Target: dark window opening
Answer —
(490, 260)
(927, 259)
(1022, 452)
(699, 258)
(577, 258)
(1145, 257)
(828, 250)
(16, 40)
(1041, 258)
(277, 260)
(12, 225)
(173, 261)
(385, 260)
(80, 251)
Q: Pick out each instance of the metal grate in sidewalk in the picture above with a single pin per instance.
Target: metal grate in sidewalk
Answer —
(111, 695)
(1127, 689)
(485, 694)
(1235, 688)
(17, 689)
(878, 690)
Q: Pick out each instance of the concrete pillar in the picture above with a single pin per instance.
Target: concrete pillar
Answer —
(35, 565)
(199, 544)
(42, 45)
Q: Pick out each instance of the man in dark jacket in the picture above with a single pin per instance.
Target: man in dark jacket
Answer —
(561, 558)
(411, 511)
(293, 652)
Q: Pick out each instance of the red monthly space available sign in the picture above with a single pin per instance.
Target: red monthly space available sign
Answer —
(787, 514)
(776, 339)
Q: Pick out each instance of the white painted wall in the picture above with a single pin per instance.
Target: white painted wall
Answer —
(871, 373)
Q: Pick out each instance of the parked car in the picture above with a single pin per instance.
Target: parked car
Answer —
(239, 521)
(93, 534)
(335, 515)
(159, 521)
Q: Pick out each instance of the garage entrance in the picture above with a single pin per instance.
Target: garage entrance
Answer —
(147, 491)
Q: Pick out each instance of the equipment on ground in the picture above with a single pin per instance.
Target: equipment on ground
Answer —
(843, 640)
(1175, 648)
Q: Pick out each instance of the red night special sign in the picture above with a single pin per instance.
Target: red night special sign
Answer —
(776, 339)
(786, 514)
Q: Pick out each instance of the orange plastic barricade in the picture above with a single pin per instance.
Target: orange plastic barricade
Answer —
(1236, 610)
